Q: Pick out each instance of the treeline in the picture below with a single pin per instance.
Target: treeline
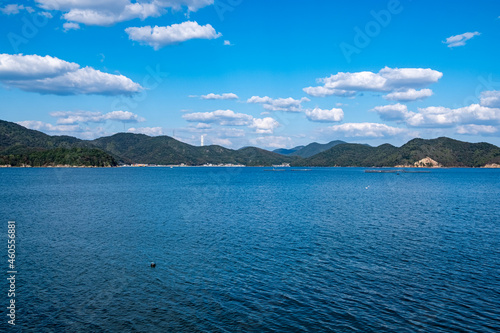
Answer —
(21, 146)
(445, 151)
(60, 156)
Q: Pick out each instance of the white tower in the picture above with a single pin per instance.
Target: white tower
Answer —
(202, 139)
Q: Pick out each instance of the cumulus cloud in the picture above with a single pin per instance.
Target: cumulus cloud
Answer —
(203, 126)
(80, 131)
(70, 26)
(408, 95)
(397, 112)
(151, 131)
(227, 43)
(459, 40)
(220, 117)
(50, 75)
(320, 115)
(264, 125)
(75, 117)
(13, 9)
(366, 130)
(158, 37)
(109, 12)
(231, 118)
(477, 129)
(491, 98)
(439, 116)
(272, 141)
(444, 117)
(231, 133)
(41, 126)
(221, 96)
(221, 142)
(31, 67)
(321, 91)
(279, 104)
(386, 80)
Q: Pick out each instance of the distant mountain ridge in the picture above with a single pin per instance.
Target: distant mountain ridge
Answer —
(20, 146)
(309, 150)
(285, 151)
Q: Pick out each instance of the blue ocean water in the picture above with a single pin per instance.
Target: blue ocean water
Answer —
(246, 250)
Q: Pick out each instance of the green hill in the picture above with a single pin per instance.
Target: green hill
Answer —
(284, 151)
(309, 150)
(20, 146)
(445, 151)
(140, 148)
(60, 157)
(315, 148)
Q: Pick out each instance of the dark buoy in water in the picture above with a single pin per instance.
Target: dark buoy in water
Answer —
(153, 265)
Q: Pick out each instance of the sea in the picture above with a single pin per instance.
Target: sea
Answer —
(251, 249)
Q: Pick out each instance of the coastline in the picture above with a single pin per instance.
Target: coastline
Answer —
(487, 166)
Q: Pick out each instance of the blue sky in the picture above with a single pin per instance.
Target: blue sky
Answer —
(263, 73)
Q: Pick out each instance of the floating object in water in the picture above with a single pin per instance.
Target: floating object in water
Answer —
(153, 265)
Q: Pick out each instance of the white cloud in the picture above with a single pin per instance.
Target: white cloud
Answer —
(279, 104)
(158, 37)
(71, 26)
(75, 117)
(109, 12)
(491, 98)
(477, 129)
(264, 125)
(459, 40)
(408, 95)
(123, 116)
(107, 18)
(272, 141)
(366, 130)
(227, 43)
(231, 133)
(386, 80)
(13, 9)
(41, 126)
(221, 142)
(398, 112)
(222, 96)
(231, 118)
(151, 131)
(220, 117)
(320, 115)
(203, 126)
(73, 130)
(46, 14)
(50, 75)
(321, 91)
(29, 67)
(444, 117)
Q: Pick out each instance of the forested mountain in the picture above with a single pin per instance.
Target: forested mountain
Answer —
(21, 146)
(445, 151)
